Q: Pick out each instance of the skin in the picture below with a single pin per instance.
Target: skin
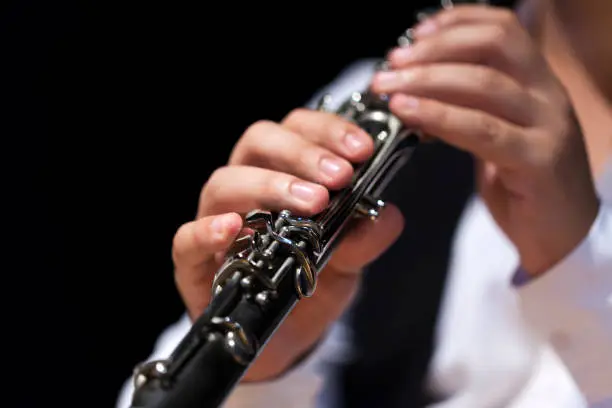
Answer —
(300, 158)
(475, 79)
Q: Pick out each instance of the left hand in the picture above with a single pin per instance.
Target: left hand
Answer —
(475, 79)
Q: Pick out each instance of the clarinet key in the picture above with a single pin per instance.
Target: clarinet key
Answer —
(370, 207)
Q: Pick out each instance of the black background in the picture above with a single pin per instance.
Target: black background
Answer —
(113, 115)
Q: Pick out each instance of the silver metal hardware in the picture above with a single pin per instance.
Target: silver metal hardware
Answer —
(287, 233)
(324, 103)
(147, 371)
(238, 342)
(407, 38)
(265, 274)
(370, 207)
(262, 298)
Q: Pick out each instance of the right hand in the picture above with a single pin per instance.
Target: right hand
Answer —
(290, 165)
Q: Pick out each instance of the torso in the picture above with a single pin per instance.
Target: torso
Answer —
(486, 355)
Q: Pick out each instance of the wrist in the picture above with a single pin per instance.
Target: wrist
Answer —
(537, 261)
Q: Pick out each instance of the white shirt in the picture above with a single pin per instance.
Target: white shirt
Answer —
(546, 344)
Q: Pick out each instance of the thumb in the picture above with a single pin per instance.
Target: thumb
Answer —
(193, 252)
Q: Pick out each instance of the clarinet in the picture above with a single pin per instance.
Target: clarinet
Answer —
(267, 273)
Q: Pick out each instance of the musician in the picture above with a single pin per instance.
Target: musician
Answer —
(492, 294)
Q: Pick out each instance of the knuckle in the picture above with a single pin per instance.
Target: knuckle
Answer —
(216, 176)
(508, 18)
(179, 242)
(338, 128)
(295, 116)
(490, 129)
(271, 188)
(258, 127)
(249, 145)
(256, 132)
(537, 157)
(487, 79)
(497, 39)
(308, 160)
(448, 18)
(437, 114)
(213, 185)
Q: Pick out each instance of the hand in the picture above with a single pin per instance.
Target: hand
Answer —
(474, 79)
(284, 166)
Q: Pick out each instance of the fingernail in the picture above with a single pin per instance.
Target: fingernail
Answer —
(425, 28)
(225, 224)
(401, 55)
(302, 191)
(406, 102)
(331, 167)
(354, 142)
(386, 79)
(219, 225)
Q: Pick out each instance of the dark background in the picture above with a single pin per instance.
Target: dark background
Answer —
(113, 115)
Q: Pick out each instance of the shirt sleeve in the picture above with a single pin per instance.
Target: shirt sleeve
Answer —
(164, 346)
(571, 307)
(354, 78)
(300, 386)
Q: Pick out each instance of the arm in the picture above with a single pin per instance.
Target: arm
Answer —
(164, 345)
(299, 386)
(571, 307)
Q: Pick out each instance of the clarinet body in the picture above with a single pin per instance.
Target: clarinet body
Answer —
(267, 273)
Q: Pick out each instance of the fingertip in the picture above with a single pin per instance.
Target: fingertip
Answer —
(403, 103)
(320, 201)
(359, 145)
(341, 175)
(225, 226)
(407, 108)
(401, 56)
(311, 198)
(234, 223)
(428, 27)
(380, 80)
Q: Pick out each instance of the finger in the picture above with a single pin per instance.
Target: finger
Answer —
(332, 132)
(271, 146)
(465, 14)
(196, 242)
(484, 135)
(506, 49)
(470, 86)
(243, 188)
(492, 189)
(194, 246)
(367, 241)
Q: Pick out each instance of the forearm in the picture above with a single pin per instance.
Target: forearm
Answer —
(298, 387)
